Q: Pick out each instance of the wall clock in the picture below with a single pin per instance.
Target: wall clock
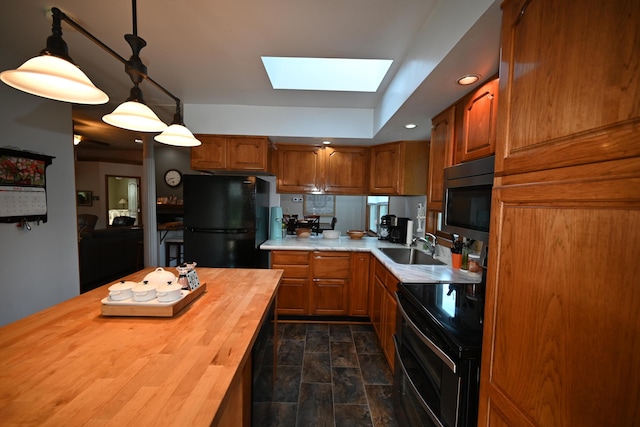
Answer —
(173, 177)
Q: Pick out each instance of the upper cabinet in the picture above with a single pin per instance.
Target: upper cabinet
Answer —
(476, 118)
(328, 170)
(399, 168)
(440, 156)
(546, 102)
(230, 153)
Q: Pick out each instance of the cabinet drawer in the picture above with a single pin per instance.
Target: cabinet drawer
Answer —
(293, 271)
(331, 266)
(290, 257)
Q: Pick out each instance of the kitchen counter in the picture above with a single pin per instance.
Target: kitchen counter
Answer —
(69, 365)
(405, 273)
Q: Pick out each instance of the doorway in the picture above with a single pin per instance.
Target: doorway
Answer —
(123, 198)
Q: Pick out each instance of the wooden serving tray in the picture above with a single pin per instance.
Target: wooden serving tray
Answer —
(152, 308)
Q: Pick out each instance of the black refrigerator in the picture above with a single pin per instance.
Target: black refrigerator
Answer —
(226, 219)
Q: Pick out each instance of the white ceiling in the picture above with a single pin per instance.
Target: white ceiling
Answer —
(207, 53)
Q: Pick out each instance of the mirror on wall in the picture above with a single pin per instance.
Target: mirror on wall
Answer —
(123, 199)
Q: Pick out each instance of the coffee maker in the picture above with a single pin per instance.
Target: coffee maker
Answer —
(398, 232)
(387, 222)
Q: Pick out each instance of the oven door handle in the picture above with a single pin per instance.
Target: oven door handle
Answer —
(424, 404)
(445, 359)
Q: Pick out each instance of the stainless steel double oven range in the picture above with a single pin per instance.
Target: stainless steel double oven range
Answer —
(438, 345)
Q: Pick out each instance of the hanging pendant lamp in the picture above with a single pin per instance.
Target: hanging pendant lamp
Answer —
(53, 74)
(135, 115)
(177, 134)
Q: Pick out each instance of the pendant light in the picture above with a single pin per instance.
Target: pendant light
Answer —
(53, 74)
(135, 115)
(177, 134)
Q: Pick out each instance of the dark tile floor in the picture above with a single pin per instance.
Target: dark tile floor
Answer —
(327, 375)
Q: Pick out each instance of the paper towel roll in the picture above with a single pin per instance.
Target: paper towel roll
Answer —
(409, 232)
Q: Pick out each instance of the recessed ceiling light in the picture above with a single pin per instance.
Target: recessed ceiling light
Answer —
(326, 142)
(77, 139)
(468, 79)
(327, 74)
(137, 141)
(411, 126)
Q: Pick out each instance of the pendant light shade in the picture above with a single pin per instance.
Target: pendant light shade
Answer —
(177, 135)
(133, 115)
(52, 77)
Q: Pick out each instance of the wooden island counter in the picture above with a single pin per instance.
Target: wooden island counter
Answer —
(69, 365)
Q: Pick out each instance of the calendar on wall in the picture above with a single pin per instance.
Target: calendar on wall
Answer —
(23, 193)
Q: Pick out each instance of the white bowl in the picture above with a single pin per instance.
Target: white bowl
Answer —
(159, 276)
(168, 292)
(121, 290)
(144, 292)
(331, 234)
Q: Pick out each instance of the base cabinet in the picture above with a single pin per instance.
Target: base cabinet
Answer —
(384, 308)
(322, 283)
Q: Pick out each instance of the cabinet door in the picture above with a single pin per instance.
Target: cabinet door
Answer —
(439, 156)
(346, 170)
(299, 169)
(211, 154)
(384, 169)
(389, 309)
(293, 296)
(329, 297)
(477, 118)
(550, 295)
(377, 291)
(569, 94)
(359, 284)
(247, 153)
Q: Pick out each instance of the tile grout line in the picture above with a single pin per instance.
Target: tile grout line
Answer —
(366, 395)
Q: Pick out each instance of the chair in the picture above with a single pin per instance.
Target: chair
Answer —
(86, 223)
(123, 221)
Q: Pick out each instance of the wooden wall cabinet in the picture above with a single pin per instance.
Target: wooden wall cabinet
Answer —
(231, 152)
(399, 168)
(440, 156)
(476, 118)
(560, 345)
(326, 170)
(384, 308)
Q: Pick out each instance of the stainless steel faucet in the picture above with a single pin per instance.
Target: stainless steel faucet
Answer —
(422, 239)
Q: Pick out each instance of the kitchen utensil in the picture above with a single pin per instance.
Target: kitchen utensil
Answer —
(144, 292)
(121, 290)
(159, 277)
(356, 234)
(331, 234)
(168, 292)
(303, 232)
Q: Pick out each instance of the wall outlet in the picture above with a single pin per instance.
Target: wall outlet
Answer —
(296, 199)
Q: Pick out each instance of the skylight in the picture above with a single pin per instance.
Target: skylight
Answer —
(328, 74)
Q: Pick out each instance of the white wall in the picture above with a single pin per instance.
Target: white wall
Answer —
(39, 267)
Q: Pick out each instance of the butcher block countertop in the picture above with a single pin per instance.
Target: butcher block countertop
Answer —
(69, 365)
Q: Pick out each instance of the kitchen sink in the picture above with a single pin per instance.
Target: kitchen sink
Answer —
(410, 256)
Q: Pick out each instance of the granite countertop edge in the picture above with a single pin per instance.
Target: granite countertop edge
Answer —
(405, 273)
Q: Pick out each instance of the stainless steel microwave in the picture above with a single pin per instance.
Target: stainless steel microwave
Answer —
(467, 198)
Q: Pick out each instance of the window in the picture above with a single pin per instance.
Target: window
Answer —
(377, 206)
